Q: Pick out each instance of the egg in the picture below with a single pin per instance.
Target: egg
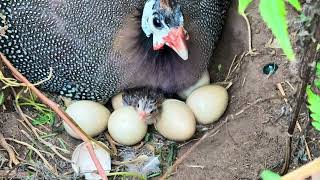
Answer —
(208, 103)
(116, 101)
(176, 121)
(204, 80)
(92, 117)
(82, 163)
(126, 127)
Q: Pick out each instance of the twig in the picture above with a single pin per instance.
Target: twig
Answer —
(36, 151)
(283, 94)
(250, 51)
(5, 174)
(308, 57)
(305, 142)
(33, 129)
(244, 80)
(12, 157)
(139, 159)
(24, 125)
(239, 63)
(36, 144)
(290, 85)
(230, 68)
(65, 117)
(195, 166)
(191, 149)
(234, 65)
(112, 143)
(188, 142)
(259, 100)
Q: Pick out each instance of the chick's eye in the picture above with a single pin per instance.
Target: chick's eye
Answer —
(153, 111)
(157, 22)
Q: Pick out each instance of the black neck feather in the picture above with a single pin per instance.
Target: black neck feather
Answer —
(163, 68)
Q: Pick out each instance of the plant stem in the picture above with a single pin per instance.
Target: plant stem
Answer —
(251, 51)
(64, 116)
(128, 174)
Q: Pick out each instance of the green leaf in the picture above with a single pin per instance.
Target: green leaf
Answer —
(316, 125)
(269, 175)
(314, 107)
(317, 83)
(1, 98)
(44, 119)
(274, 13)
(243, 4)
(296, 4)
(318, 69)
(219, 67)
(313, 100)
(315, 117)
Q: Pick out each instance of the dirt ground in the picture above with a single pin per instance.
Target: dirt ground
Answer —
(248, 143)
(252, 139)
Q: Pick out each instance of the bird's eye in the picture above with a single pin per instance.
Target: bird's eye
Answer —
(157, 22)
(153, 111)
(167, 21)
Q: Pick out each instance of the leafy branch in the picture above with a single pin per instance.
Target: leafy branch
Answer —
(314, 100)
(274, 14)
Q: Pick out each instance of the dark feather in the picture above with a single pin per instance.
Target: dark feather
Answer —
(162, 69)
(96, 48)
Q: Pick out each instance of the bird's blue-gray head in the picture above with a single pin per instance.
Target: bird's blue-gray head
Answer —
(163, 19)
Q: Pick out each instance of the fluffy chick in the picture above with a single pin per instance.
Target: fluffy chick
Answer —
(146, 101)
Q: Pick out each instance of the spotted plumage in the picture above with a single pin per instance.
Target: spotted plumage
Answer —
(97, 48)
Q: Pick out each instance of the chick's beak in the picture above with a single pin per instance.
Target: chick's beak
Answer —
(176, 39)
(142, 115)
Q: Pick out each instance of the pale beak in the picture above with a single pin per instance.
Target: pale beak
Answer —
(176, 40)
(142, 115)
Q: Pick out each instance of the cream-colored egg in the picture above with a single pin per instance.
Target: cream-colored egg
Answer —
(208, 103)
(92, 117)
(82, 163)
(176, 121)
(204, 80)
(126, 127)
(116, 101)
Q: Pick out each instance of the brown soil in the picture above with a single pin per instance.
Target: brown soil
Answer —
(250, 141)
(246, 144)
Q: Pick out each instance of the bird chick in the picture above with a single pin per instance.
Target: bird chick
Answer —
(146, 102)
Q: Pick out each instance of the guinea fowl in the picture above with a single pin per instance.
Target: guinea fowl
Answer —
(98, 48)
